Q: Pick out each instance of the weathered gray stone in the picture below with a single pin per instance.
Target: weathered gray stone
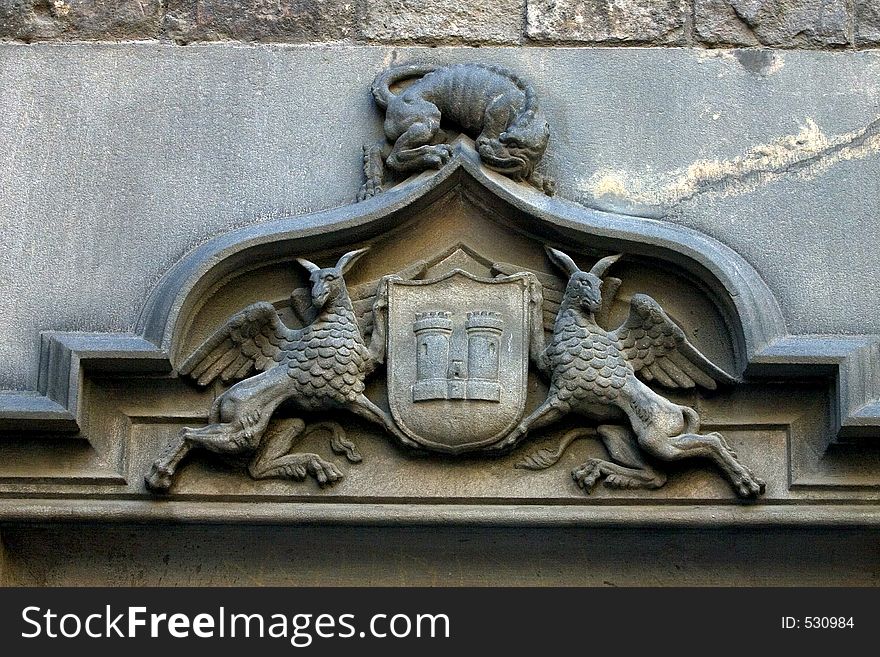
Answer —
(432, 88)
(33, 20)
(601, 21)
(243, 137)
(867, 22)
(444, 21)
(162, 554)
(296, 21)
(779, 23)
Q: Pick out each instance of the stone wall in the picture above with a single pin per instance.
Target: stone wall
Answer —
(825, 24)
(754, 122)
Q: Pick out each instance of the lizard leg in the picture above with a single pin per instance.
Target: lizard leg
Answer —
(414, 147)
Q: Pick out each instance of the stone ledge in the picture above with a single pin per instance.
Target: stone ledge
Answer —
(736, 515)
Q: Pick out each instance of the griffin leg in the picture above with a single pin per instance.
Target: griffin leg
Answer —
(545, 414)
(623, 447)
(366, 409)
(377, 346)
(630, 471)
(586, 476)
(712, 446)
(273, 459)
(276, 444)
(234, 438)
(239, 418)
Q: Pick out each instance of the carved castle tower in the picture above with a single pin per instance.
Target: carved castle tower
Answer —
(441, 375)
(484, 330)
(433, 331)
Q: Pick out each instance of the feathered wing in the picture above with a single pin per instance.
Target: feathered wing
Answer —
(658, 349)
(254, 338)
(552, 288)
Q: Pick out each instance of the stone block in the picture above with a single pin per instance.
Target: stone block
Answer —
(444, 21)
(606, 21)
(35, 20)
(867, 22)
(294, 21)
(777, 23)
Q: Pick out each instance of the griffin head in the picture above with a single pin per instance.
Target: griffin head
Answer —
(584, 288)
(327, 283)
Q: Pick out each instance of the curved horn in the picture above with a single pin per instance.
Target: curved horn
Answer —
(308, 264)
(350, 258)
(602, 266)
(561, 260)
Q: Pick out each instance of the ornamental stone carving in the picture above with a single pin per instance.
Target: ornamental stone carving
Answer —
(491, 104)
(438, 346)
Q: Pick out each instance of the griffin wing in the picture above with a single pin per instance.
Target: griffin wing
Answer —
(254, 338)
(658, 349)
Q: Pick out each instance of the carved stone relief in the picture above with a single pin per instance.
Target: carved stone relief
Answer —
(448, 346)
(457, 377)
(593, 372)
(319, 367)
(458, 346)
(491, 104)
(457, 385)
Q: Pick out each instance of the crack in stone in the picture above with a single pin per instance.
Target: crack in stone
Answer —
(857, 140)
(808, 153)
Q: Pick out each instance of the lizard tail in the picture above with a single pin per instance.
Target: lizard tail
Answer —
(530, 103)
(381, 85)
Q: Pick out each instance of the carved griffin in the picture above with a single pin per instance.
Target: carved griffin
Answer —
(489, 103)
(596, 373)
(321, 366)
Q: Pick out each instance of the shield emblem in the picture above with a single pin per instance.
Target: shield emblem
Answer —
(458, 358)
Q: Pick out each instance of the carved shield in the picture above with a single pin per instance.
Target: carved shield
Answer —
(458, 358)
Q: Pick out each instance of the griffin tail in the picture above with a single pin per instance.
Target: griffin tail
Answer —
(545, 458)
(339, 443)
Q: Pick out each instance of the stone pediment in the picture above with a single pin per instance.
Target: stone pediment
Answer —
(801, 412)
